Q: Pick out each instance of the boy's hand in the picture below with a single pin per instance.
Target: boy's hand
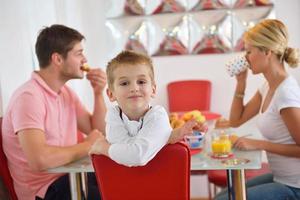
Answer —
(100, 146)
(187, 129)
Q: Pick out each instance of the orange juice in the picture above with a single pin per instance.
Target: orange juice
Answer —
(221, 146)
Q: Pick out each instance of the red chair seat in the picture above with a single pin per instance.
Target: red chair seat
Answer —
(219, 177)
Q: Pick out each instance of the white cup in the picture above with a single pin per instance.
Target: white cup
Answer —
(237, 65)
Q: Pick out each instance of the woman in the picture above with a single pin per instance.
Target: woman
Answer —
(277, 104)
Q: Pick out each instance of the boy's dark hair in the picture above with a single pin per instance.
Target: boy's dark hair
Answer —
(56, 38)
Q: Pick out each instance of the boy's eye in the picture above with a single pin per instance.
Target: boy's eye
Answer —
(124, 83)
(142, 81)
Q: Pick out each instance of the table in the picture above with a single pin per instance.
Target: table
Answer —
(235, 173)
(201, 161)
(77, 173)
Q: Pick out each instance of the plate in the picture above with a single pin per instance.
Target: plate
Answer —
(235, 161)
(210, 115)
(221, 156)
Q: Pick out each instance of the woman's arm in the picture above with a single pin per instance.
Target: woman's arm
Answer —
(240, 113)
(291, 118)
(290, 150)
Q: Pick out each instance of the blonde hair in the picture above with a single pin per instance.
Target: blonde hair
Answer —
(272, 34)
(127, 58)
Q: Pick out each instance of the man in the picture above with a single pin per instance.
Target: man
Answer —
(43, 117)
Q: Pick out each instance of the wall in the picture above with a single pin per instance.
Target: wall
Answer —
(20, 21)
(211, 67)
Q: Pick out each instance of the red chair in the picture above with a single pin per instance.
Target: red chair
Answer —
(4, 171)
(219, 177)
(187, 95)
(166, 176)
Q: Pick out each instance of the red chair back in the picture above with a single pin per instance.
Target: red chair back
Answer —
(187, 95)
(4, 171)
(166, 176)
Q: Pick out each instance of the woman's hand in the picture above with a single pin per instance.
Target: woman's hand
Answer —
(247, 144)
(242, 77)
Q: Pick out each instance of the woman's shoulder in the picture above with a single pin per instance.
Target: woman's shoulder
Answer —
(289, 86)
(289, 90)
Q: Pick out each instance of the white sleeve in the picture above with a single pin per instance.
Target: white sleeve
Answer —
(288, 97)
(139, 150)
(116, 131)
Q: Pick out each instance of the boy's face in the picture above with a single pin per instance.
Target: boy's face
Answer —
(132, 89)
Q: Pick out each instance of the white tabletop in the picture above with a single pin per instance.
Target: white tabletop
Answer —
(199, 161)
(202, 161)
(82, 165)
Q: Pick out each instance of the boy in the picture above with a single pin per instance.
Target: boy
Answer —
(135, 131)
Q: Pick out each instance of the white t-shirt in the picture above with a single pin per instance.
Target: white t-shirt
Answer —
(135, 143)
(286, 170)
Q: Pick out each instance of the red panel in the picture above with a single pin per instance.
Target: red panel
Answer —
(4, 171)
(189, 95)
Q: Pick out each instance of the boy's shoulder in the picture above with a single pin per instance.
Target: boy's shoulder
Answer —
(156, 111)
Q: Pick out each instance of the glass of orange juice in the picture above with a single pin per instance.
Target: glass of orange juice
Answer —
(221, 145)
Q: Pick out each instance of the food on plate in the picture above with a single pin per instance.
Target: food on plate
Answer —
(177, 123)
(173, 117)
(195, 114)
(85, 68)
(222, 123)
(177, 120)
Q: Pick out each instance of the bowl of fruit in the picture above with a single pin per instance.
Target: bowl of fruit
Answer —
(177, 120)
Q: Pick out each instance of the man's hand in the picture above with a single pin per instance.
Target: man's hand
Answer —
(97, 78)
(93, 136)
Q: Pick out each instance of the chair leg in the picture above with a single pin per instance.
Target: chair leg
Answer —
(215, 190)
(209, 190)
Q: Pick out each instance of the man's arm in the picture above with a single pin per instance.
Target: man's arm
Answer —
(42, 156)
(87, 122)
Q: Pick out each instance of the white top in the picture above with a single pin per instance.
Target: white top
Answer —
(135, 143)
(286, 170)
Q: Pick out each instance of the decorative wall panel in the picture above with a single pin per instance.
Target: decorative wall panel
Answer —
(179, 27)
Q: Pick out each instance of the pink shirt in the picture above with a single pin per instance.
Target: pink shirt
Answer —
(35, 105)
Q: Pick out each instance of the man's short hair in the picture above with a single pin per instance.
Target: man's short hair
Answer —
(55, 39)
